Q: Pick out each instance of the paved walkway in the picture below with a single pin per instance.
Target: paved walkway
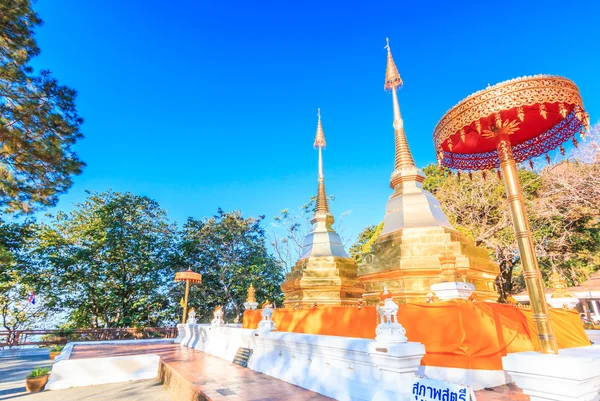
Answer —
(509, 392)
(219, 380)
(141, 390)
(13, 370)
(209, 377)
(201, 374)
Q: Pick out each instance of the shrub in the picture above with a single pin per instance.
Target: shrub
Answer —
(37, 372)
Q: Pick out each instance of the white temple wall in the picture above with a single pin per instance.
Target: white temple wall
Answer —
(343, 368)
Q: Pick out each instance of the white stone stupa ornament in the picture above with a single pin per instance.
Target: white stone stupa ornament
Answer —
(191, 317)
(389, 330)
(266, 325)
(217, 317)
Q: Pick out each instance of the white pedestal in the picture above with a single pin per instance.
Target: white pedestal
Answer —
(195, 336)
(454, 290)
(216, 323)
(250, 305)
(266, 326)
(188, 335)
(180, 333)
(570, 302)
(390, 333)
(572, 375)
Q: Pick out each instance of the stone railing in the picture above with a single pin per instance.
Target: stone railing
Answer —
(50, 337)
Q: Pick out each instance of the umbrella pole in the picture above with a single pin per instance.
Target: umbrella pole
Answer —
(185, 302)
(531, 271)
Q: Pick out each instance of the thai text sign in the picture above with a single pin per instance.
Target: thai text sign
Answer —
(429, 390)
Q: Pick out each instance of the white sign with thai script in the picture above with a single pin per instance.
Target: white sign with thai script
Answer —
(425, 389)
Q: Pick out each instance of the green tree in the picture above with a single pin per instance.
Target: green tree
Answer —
(39, 123)
(230, 252)
(112, 259)
(20, 276)
(365, 239)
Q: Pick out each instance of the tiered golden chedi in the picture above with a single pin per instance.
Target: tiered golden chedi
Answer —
(405, 257)
(559, 285)
(324, 274)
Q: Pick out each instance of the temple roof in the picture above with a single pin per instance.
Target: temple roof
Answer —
(588, 289)
(591, 284)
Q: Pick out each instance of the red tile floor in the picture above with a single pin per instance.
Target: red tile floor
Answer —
(206, 377)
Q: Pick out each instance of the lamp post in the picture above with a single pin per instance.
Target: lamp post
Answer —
(188, 276)
(501, 126)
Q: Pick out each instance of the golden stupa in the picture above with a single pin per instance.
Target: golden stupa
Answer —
(324, 274)
(406, 256)
(559, 285)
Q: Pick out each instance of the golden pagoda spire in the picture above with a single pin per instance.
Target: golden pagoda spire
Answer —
(320, 137)
(404, 159)
(322, 206)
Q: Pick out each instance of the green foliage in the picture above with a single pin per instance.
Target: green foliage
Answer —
(365, 239)
(230, 253)
(57, 348)
(112, 260)
(20, 275)
(39, 123)
(37, 372)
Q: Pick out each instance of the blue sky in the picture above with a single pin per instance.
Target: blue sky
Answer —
(207, 104)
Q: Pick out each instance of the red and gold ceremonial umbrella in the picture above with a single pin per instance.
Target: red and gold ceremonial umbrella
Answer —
(188, 276)
(505, 124)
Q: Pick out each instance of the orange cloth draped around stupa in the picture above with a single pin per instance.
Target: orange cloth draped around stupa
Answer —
(456, 334)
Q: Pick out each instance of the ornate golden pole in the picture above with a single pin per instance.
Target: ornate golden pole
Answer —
(187, 276)
(185, 302)
(531, 271)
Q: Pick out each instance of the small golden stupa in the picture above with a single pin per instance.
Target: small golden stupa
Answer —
(324, 274)
(559, 285)
(406, 256)
(251, 298)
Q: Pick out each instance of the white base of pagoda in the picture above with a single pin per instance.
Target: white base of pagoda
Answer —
(572, 375)
(453, 290)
